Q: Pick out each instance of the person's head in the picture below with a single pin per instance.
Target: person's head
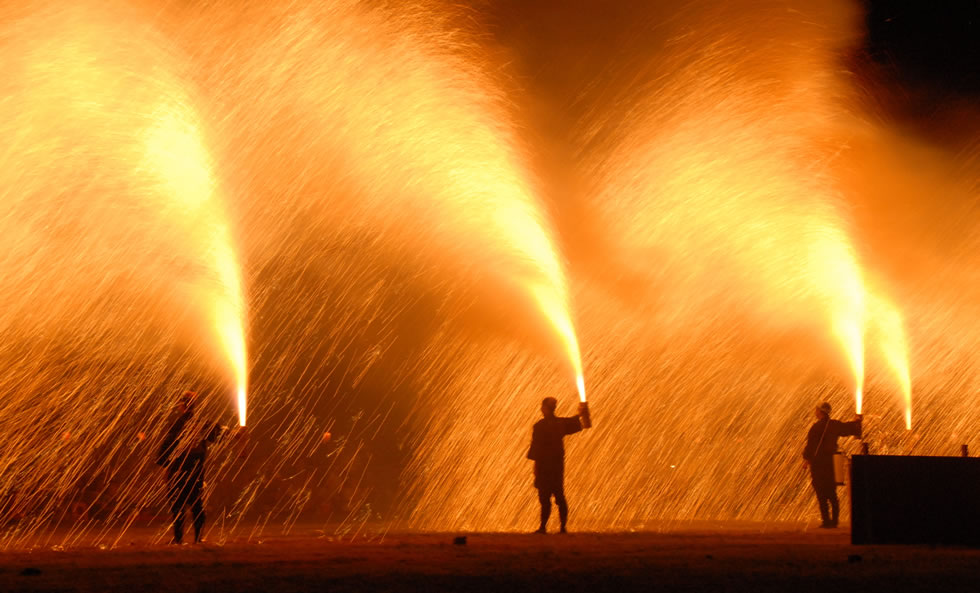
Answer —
(822, 411)
(187, 401)
(548, 406)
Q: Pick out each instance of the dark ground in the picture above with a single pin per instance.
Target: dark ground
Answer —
(785, 558)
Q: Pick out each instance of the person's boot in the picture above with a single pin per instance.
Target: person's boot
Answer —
(198, 528)
(824, 513)
(179, 529)
(563, 516)
(545, 515)
(834, 511)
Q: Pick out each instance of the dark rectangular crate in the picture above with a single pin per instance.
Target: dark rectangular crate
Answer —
(915, 500)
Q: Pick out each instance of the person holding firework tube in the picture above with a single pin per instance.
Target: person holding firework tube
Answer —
(548, 453)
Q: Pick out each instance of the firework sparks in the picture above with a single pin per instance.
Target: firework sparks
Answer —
(380, 184)
(714, 177)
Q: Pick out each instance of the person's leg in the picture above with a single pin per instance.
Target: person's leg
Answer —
(822, 502)
(822, 479)
(177, 495)
(834, 507)
(562, 507)
(544, 497)
(179, 527)
(197, 511)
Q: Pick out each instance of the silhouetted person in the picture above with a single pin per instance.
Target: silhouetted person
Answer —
(821, 444)
(182, 452)
(548, 453)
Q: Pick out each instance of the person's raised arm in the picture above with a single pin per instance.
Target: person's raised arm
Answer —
(853, 428)
(215, 433)
(572, 424)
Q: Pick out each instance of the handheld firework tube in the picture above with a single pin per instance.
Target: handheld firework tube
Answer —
(865, 450)
(585, 417)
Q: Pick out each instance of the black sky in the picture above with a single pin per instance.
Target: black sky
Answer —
(927, 43)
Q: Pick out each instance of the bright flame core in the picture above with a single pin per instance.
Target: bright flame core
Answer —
(241, 405)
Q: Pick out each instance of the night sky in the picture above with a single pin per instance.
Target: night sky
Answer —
(933, 44)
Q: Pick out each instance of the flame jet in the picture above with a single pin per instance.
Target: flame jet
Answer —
(835, 269)
(398, 132)
(724, 290)
(175, 153)
(889, 328)
(707, 340)
(116, 250)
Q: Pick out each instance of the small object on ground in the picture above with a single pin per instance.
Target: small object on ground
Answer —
(459, 541)
(709, 557)
(30, 571)
(853, 558)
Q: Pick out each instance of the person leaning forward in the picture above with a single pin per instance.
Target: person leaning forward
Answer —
(821, 444)
(548, 453)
